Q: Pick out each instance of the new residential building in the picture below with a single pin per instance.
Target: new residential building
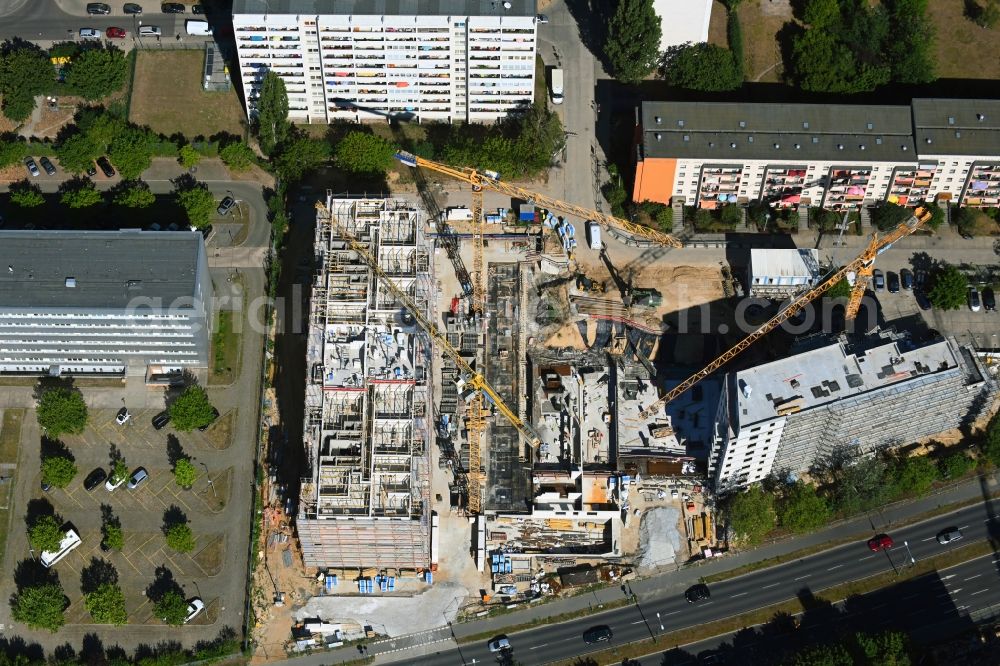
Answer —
(365, 500)
(103, 302)
(445, 60)
(865, 395)
(835, 156)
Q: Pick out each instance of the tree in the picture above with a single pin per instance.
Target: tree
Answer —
(889, 216)
(702, 67)
(119, 471)
(822, 655)
(188, 156)
(633, 42)
(101, 127)
(237, 155)
(965, 219)
(821, 13)
(185, 473)
(890, 648)
(46, 534)
(131, 150)
(751, 514)
(26, 194)
(197, 201)
(802, 509)
(25, 71)
(272, 113)
(913, 475)
(859, 483)
(78, 151)
(40, 606)
(301, 156)
(58, 471)
(180, 537)
(132, 194)
(991, 441)
(987, 15)
(955, 465)
(191, 409)
(79, 193)
(61, 410)
(937, 216)
(730, 216)
(106, 605)
(96, 73)
(172, 608)
(950, 289)
(11, 150)
(114, 536)
(364, 153)
(840, 290)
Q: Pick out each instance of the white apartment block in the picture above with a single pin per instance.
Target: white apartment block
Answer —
(364, 60)
(104, 303)
(838, 157)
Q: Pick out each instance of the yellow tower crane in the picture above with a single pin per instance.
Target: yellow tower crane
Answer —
(490, 180)
(472, 379)
(862, 266)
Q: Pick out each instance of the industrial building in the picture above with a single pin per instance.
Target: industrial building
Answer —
(781, 416)
(110, 303)
(365, 500)
(357, 60)
(779, 273)
(837, 157)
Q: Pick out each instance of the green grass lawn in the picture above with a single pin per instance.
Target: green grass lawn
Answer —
(10, 441)
(225, 349)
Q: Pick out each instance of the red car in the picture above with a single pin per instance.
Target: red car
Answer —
(116, 33)
(880, 542)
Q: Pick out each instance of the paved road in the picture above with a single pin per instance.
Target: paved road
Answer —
(803, 579)
(61, 21)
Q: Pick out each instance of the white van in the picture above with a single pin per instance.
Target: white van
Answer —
(594, 235)
(556, 93)
(197, 28)
(69, 542)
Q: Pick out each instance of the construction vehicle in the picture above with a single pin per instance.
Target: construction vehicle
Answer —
(490, 180)
(863, 266)
(471, 379)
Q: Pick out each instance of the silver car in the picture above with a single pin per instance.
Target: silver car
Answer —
(948, 535)
(32, 168)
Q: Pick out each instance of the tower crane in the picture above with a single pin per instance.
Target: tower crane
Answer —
(473, 380)
(862, 266)
(490, 180)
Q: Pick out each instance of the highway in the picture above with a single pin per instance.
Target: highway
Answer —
(803, 578)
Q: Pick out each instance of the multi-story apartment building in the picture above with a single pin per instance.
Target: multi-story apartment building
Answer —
(103, 303)
(865, 395)
(834, 156)
(444, 60)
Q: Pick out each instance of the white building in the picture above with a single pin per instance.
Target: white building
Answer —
(445, 60)
(683, 21)
(782, 272)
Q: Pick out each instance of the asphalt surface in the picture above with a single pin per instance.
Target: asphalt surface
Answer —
(48, 22)
(804, 579)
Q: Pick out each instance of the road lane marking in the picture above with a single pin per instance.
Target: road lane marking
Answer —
(949, 576)
(672, 613)
(971, 577)
(538, 646)
(738, 595)
(771, 585)
(928, 538)
(836, 567)
(985, 589)
(866, 558)
(639, 622)
(963, 527)
(801, 577)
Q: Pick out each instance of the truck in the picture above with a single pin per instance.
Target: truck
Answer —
(557, 86)
(594, 235)
(197, 28)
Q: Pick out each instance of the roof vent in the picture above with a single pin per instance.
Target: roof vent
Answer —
(777, 145)
(732, 145)
(750, 139)
(928, 140)
(980, 117)
(815, 139)
(904, 147)
(743, 123)
(861, 146)
(71, 283)
(798, 146)
(870, 126)
(878, 140)
(951, 120)
(658, 120)
(745, 388)
(805, 125)
(680, 123)
(958, 135)
(506, 4)
(687, 137)
(840, 146)
(659, 137)
(711, 144)
(10, 268)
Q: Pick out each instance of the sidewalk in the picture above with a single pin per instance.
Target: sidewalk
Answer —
(411, 647)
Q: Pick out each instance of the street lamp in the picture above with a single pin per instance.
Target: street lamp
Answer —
(912, 560)
(208, 475)
(660, 620)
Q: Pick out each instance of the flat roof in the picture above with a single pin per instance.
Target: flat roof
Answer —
(829, 374)
(107, 269)
(782, 262)
(386, 7)
(683, 21)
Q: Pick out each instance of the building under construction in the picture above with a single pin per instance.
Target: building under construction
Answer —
(365, 501)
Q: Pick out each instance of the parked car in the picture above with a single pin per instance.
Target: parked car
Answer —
(98, 8)
(105, 166)
(112, 483)
(880, 542)
(206, 231)
(225, 206)
(541, 18)
(215, 415)
(893, 280)
(172, 8)
(697, 593)
(922, 300)
(123, 416)
(974, 299)
(95, 479)
(160, 420)
(138, 476)
(906, 278)
(878, 279)
(132, 8)
(919, 279)
(499, 644)
(195, 606)
(989, 300)
(91, 171)
(599, 634)
(89, 33)
(46, 487)
(29, 163)
(47, 164)
(149, 31)
(197, 9)
(115, 33)
(949, 534)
